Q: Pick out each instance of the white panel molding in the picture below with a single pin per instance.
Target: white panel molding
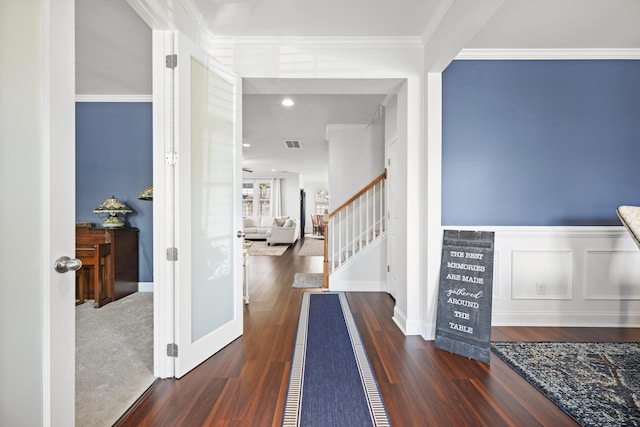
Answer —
(114, 98)
(548, 54)
(495, 292)
(541, 274)
(612, 275)
(591, 277)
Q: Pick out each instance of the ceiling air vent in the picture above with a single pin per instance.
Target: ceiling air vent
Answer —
(292, 143)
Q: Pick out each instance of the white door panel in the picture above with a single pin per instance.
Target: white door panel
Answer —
(208, 285)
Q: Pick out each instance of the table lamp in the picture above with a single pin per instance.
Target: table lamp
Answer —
(147, 194)
(112, 207)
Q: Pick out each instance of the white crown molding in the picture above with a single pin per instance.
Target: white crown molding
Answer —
(114, 98)
(318, 42)
(548, 54)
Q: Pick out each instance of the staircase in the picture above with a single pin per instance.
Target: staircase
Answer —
(355, 226)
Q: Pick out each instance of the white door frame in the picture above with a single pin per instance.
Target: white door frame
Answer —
(163, 212)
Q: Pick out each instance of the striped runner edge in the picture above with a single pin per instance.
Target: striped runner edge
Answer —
(291, 415)
(376, 404)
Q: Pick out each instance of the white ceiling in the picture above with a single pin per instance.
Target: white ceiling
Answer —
(517, 24)
(266, 123)
(493, 24)
(311, 18)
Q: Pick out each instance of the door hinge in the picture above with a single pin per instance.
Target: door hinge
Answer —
(172, 350)
(171, 158)
(172, 61)
(172, 254)
(388, 269)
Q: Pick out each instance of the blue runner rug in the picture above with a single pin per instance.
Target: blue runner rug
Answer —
(331, 382)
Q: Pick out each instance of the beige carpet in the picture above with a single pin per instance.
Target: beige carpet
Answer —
(114, 357)
(312, 247)
(261, 249)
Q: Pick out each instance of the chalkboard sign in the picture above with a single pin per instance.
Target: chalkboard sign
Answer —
(463, 324)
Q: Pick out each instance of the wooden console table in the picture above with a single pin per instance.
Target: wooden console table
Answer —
(120, 276)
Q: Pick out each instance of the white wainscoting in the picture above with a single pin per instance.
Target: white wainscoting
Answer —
(565, 276)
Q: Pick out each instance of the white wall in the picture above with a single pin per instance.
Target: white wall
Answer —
(113, 49)
(291, 196)
(365, 272)
(356, 157)
(404, 183)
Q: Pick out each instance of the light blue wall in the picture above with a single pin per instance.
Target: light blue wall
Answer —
(540, 143)
(114, 157)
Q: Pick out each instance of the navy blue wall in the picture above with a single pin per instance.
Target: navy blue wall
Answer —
(540, 143)
(114, 157)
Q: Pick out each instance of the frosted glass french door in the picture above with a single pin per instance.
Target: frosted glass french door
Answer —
(208, 282)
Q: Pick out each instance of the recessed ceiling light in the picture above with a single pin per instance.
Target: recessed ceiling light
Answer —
(287, 102)
(246, 144)
(273, 170)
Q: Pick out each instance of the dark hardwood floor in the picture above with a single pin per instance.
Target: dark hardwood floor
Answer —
(245, 384)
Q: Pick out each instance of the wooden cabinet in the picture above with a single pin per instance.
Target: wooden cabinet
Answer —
(121, 264)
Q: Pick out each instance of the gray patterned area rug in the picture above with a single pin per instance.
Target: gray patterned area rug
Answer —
(597, 384)
(307, 280)
(262, 249)
(312, 247)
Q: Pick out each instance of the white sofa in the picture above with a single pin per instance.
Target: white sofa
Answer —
(288, 233)
(256, 228)
(273, 230)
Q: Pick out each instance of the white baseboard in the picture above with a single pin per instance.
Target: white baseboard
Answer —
(145, 286)
(591, 319)
(357, 286)
(552, 319)
(407, 326)
(428, 331)
(400, 319)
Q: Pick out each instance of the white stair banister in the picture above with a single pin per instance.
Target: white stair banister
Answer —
(354, 225)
